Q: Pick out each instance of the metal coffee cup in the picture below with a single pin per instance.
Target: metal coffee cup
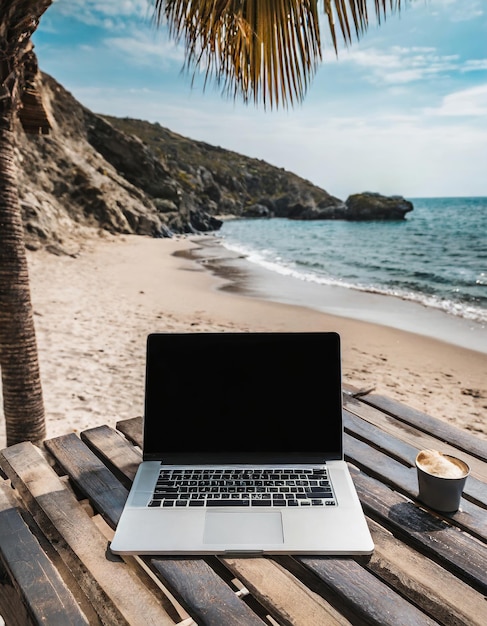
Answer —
(441, 480)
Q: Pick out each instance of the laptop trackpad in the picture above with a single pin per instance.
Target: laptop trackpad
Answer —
(229, 527)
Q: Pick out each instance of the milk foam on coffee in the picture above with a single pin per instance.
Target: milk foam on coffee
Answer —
(438, 464)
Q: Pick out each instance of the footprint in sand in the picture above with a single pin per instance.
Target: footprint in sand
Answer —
(475, 393)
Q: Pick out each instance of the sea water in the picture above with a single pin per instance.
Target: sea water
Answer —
(437, 256)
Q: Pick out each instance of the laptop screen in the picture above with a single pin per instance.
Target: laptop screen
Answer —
(243, 398)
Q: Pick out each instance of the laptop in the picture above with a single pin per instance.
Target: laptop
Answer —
(243, 449)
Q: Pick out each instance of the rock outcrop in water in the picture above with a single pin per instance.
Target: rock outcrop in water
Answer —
(357, 207)
(134, 177)
(373, 206)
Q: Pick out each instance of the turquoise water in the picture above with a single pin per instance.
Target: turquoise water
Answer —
(437, 256)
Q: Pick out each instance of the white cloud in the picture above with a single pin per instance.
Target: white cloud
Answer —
(96, 12)
(465, 10)
(408, 158)
(372, 58)
(143, 51)
(458, 10)
(473, 65)
(467, 102)
(399, 65)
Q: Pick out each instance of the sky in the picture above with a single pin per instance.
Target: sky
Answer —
(402, 111)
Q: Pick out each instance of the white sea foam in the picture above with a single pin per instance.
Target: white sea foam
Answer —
(264, 259)
(482, 279)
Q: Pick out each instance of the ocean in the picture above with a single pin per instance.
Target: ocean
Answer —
(436, 257)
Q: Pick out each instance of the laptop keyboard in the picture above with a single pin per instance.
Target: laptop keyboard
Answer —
(243, 488)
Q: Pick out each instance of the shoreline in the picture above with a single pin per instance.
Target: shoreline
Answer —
(256, 281)
(93, 313)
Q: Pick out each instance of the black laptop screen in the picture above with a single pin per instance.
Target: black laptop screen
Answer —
(243, 397)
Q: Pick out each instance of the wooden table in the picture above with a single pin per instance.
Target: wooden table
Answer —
(56, 524)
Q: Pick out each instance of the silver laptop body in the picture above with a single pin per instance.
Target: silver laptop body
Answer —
(249, 425)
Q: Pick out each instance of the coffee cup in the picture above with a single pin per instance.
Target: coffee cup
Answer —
(441, 480)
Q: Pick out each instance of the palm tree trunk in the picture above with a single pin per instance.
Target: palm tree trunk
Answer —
(22, 392)
(21, 384)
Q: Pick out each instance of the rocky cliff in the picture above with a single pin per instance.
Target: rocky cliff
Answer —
(131, 176)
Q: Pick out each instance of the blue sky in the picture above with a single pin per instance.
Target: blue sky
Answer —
(403, 111)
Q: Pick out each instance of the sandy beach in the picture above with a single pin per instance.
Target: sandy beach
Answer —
(93, 312)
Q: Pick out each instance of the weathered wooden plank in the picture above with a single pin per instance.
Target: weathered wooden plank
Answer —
(374, 435)
(424, 582)
(196, 597)
(12, 609)
(106, 494)
(455, 550)
(356, 590)
(114, 590)
(43, 593)
(475, 489)
(285, 597)
(115, 452)
(410, 434)
(440, 429)
(469, 517)
(381, 466)
(132, 429)
(196, 585)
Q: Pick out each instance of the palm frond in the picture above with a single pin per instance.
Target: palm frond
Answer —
(265, 50)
